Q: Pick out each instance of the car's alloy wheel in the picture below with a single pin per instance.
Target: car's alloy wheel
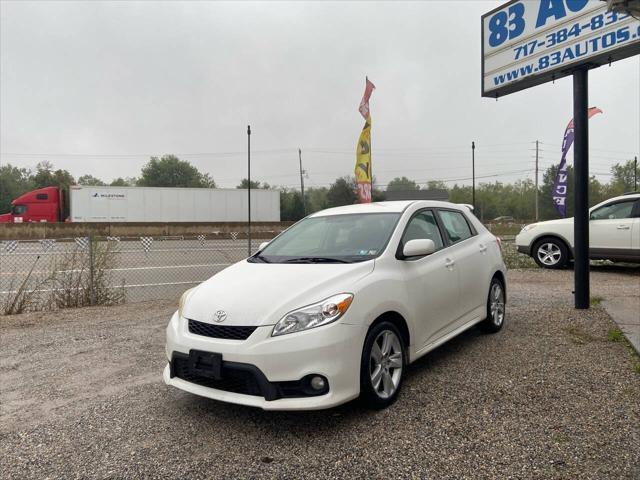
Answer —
(382, 366)
(496, 307)
(550, 253)
(385, 364)
(496, 304)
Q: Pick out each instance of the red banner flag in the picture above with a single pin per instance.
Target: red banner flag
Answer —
(364, 103)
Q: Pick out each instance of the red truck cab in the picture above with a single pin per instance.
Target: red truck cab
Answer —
(42, 205)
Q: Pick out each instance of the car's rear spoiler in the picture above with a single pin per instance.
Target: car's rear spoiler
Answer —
(468, 205)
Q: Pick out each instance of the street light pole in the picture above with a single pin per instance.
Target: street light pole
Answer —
(304, 209)
(537, 181)
(249, 189)
(473, 174)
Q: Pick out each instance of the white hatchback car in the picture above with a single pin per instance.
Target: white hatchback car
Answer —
(614, 234)
(336, 306)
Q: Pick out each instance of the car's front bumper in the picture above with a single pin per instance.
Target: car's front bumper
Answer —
(523, 243)
(332, 351)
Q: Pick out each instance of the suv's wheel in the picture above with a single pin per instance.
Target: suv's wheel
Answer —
(382, 365)
(550, 253)
(496, 308)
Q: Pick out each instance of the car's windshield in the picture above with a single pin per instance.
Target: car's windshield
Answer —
(331, 239)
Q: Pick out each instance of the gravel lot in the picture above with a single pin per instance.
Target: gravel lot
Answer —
(548, 397)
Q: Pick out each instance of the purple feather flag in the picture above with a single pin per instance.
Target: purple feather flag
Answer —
(560, 185)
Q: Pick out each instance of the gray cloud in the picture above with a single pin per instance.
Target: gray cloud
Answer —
(123, 80)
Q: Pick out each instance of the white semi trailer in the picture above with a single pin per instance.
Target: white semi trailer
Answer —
(160, 204)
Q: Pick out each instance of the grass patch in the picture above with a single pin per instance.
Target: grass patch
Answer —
(595, 300)
(579, 336)
(560, 438)
(615, 335)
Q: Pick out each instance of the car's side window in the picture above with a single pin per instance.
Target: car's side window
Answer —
(613, 211)
(455, 225)
(423, 226)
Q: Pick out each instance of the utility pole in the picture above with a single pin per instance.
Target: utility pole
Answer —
(304, 209)
(249, 188)
(537, 180)
(473, 174)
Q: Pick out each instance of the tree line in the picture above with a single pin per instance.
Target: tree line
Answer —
(495, 199)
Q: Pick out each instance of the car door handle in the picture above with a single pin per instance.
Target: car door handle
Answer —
(449, 263)
(623, 227)
(483, 248)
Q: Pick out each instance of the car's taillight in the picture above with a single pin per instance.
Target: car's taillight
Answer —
(499, 242)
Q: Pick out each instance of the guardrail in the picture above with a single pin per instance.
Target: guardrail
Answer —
(44, 230)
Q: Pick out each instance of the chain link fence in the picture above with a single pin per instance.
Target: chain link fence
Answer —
(71, 272)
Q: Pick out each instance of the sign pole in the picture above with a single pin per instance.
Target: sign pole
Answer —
(249, 188)
(581, 186)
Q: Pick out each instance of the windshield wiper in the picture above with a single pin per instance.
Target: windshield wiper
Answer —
(258, 257)
(316, 260)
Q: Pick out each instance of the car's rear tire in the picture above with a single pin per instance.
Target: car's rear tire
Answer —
(496, 307)
(382, 365)
(550, 253)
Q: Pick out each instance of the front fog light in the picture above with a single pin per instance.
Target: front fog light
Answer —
(318, 383)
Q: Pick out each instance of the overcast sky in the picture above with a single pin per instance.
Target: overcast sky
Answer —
(97, 87)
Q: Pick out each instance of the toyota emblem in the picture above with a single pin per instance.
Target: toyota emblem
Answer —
(220, 316)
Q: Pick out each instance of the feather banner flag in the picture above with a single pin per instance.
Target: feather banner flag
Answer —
(363, 149)
(560, 185)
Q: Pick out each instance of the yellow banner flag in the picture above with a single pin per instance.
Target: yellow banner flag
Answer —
(363, 163)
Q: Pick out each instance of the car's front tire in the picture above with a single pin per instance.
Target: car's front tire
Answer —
(496, 307)
(382, 365)
(550, 253)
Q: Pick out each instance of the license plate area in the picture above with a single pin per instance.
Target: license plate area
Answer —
(206, 364)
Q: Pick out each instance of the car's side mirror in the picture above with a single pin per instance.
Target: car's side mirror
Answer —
(262, 245)
(418, 247)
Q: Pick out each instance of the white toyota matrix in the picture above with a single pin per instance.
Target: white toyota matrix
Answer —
(337, 306)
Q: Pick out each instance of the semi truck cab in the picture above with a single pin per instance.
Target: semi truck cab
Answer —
(41, 205)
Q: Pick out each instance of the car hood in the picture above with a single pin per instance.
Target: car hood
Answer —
(558, 221)
(262, 293)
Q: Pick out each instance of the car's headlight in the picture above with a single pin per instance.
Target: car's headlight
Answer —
(526, 228)
(183, 300)
(315, 315)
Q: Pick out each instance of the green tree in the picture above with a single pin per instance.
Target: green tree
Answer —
(124, 182)
(170, 171)
(90, 181)
(315, 199)
(622, 179)
(254, 184)
(342, 192)
(402, 184)
(14, 182)
(46, 176)
(291, 208)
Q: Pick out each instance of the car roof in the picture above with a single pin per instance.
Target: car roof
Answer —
(397, 206)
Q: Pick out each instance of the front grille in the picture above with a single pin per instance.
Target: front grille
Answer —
(235, 381)
(238, 377)
(228, 332)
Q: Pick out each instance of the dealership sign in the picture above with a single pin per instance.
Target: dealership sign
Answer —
(529, 42)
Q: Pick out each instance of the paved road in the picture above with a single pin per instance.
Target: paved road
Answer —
(145, 270)
(548, 397)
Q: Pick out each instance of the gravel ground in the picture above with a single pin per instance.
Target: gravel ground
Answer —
(548, 397)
